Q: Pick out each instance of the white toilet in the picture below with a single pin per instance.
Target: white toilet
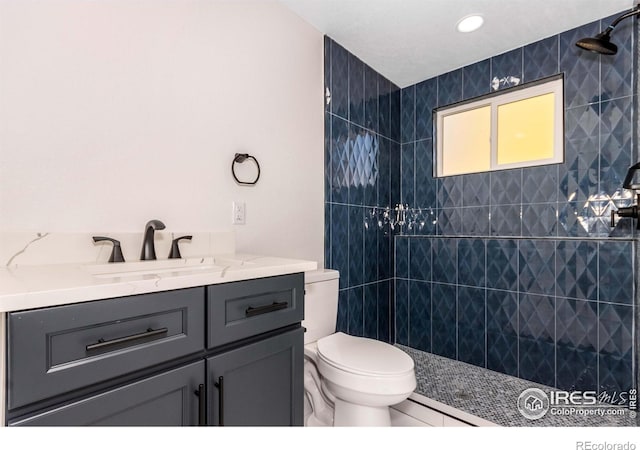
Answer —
(349, 381)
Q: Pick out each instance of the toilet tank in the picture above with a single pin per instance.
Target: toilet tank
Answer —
(320, 303)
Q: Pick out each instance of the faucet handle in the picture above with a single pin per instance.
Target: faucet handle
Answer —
(116, 253)
(175, 248)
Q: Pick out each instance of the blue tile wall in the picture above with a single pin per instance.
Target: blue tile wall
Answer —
(553, 311)
(526, 275)
(518, 270)
(362, 153)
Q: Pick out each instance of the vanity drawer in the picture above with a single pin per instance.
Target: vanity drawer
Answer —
(246, 308)
(55, 350)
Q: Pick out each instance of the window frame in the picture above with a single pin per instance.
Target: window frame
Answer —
(553, 84)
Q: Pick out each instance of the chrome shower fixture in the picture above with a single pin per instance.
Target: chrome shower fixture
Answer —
(601, 42)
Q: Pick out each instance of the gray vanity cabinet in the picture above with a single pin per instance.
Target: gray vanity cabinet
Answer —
(171, 398)
(226, 354)
(259, 384)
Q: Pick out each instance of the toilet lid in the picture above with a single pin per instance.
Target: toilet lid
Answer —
(363, 355)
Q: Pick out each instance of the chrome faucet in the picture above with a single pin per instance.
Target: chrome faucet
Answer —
(148, 244)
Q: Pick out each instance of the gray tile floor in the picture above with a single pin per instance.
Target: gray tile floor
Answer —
(491, 395)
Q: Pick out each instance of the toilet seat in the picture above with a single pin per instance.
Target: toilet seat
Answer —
(363, 356)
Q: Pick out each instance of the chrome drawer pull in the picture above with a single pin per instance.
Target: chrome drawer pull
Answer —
(275, 306)
(134, 337)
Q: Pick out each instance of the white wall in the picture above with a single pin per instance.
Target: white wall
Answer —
(114, 112)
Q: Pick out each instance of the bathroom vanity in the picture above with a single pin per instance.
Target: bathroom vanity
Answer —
(218, 342)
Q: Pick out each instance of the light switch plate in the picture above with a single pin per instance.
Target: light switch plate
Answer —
(239, 213)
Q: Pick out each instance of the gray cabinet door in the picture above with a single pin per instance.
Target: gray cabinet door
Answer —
(167, 399)
(259, 384)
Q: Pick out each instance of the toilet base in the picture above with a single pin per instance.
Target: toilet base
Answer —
(351, 415)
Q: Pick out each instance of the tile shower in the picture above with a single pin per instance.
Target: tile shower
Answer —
(517, 271)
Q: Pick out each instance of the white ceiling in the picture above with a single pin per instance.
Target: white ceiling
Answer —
(409, 41)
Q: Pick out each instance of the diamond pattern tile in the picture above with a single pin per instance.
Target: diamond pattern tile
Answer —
(371, 173)
(572, 220)
(371, 114)
(408, 114)
(475, 221)
(577, 269)
(327, 157)
(395, 157)
(420, 315)
(576, 370)
(536, 355)
(539, 220)
(385, 256)
(506, 187)
(537, 267)
(450, 87)
(371, 251)
(356, 246)
(616, 133)
(444, 261)
(426, 102)
(339, 81)
(394, 118)
(617, 72)
(327, 69)
(340, 242)
(471, 262)
(450, 192)
(582, 69)
(450, 221)
(502, 264)
(384, 106)
(615, 375)
(577, 324)
(537, 317)
(476, 189)
(444, 316)
(356, 90)
(384, 295)
(402, 257)
(340, 155)
(384, 172)
(420, 259)
(502, 313)
(541, 59)
(342, 323)
(407, 174)
(505, 220)
(477, 79)
(615, 260)
(536, 361)
(471, 325)
(356, 314)
(539, 184)
(425, 188)
(502, 353)
(507, 67)
(615, 330)
(402, 312)
(370, 311)
(580, 179)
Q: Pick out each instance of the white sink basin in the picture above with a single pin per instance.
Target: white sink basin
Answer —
(139, 268)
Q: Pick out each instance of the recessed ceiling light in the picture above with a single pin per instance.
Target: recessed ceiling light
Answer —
(470, 23)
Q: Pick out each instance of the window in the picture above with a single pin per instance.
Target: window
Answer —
(518, 127)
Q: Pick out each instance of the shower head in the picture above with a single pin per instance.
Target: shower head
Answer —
(601, 42)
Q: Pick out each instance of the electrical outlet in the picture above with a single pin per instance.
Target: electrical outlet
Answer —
(239, 213)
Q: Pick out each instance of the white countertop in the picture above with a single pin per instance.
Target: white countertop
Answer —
(37, 286)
